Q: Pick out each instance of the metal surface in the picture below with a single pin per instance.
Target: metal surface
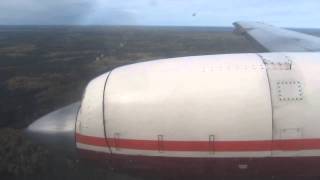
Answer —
(295, 101)
(189, 99)
(90, 117)
(199, 168)
(275, 39)
(56, 129)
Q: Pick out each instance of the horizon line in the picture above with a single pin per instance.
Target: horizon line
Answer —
(130, 25)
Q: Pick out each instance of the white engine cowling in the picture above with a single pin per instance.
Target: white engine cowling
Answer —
(242, 105)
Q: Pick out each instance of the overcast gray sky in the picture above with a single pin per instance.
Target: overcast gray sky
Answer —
(288, 13)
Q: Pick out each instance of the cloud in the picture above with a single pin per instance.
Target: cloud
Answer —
(43, 11)
(289, 13)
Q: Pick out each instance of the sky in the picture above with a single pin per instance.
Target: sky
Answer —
(284, 13)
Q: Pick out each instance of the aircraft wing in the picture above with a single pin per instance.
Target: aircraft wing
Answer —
(275, 39)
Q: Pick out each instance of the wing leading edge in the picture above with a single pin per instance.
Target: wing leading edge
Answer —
(275, 39)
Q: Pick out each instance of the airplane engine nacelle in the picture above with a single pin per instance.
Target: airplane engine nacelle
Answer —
(206, 114)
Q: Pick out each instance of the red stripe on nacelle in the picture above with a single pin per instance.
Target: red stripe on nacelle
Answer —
(190, 145)
(257, 145)
(91, 140)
